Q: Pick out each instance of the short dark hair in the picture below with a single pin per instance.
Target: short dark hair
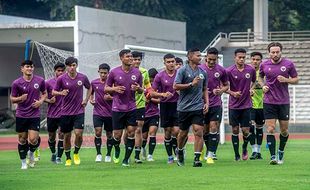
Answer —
(104, 66)
(240, 50)
(168, 56)
(256, 53)
(192, 50)
(137, 54)
(27, 62)
(213, 51)
(178, 60)
(123, 52)
(152, 72)
(59, 65)
(274, 44)
(71, 60)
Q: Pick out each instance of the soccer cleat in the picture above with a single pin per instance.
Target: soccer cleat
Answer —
(259, 156)
(68, 162)
(58, 160)
(170, 160)
(197, 164)
(115, 160)
(53, 158)
(280, 157)
(31, 159)
(24, 165)
(210, 160)
(245, 155)
(37, 154)
(273, 160)
(237, 158)
(98, 158)
(125, 163)
(253, 156)
(107, 159)
(214, 156)
(138, 161)
(143, 151)
(76, 159)
(150, 158)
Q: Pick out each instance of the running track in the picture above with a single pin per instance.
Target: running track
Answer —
(10, 143)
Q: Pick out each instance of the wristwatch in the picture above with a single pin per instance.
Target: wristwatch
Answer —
(190, 84)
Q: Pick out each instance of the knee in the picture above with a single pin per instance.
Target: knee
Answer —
(235, 130)
(22, 140)
(271, 130)
(284, 132)
(33, 140)
(138, 130)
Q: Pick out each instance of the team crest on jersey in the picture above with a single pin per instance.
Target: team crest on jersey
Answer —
(79, 83)
(133, 77)
(36, 85)
(201, 76)
(247, 75)
(217, 75)
(283, 68)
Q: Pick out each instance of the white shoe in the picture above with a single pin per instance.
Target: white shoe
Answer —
(107, 159)
(150, 158)
(143, 151)
(24, 165)
(98, 158)
(31, 159)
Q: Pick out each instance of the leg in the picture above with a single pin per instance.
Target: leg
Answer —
(284, 134)
(246, 136)
(271, 140)
(117, 135)
(138, 141)
(67, 145)
(152, 143)
(168, 140)
(60, 146)
(98, 143)
(235, 141)
(206, 135)
(23, 148)
(174, 135)
(129, 144)
(198, 144)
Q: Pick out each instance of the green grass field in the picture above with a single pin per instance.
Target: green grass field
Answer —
(224, 174)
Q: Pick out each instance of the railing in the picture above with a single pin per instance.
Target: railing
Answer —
(215, 40)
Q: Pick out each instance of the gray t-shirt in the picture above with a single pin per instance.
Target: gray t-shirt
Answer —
(191, 99)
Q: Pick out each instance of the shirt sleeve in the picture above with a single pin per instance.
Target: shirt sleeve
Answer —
(58, 85)
(42, 86)
(292, 72)
(156, 83)
(14, 91)
(140, 80)
(86, 82)
(110, 79)
(179, 76)
(92, 88)
(254, 75)
(261, 71)
(224, 77)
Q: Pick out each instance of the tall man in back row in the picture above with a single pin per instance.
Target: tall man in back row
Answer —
(276, 74)
(193, 102)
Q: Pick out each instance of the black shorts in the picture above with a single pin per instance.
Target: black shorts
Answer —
(121, 120)
(70, 122)
(150, 121)
(52, 124)
(140, 114)
(240, 117)
(25, 124)
(257, 115)
(274, 111)
(214, 114)
(98, 121)
(186, 119)
(168, 114)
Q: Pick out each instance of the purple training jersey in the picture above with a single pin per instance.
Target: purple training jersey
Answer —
(53, 110)
(278, 92)
(72, 103)
(164, 83)
(216, 78)
(118, 77)
(241, 81)
(102, 107)
(33, 88)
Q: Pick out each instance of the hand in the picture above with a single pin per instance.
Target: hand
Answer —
(52, 100)
(119, 89)
(166, 94)
(84, 103)
(205, 108)
(36, 103)
(217, 91)
(196, 81)
(64, 92)
(135, 86)
(23, 97)
(108, 97)
(282, 79)
(236, 94)
(265, 89)
(92, 102)
(252, 92)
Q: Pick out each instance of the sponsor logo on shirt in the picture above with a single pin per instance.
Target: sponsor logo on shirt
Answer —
(67, 83)
(201, 76)
(217, 75)
(133, 77)
(247, 75)
(283, 68)
(36, 85)
(79, 83)
(166, 81)
(97, 87)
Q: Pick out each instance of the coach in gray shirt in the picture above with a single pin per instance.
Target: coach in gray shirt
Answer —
(191, 81)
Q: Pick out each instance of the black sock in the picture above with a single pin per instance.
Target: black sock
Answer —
(137, 152)
(212, 140)
(168, 146)
(235, 142)
(174, 144)
(251, 138)
(22, 150)
(109, 146)
(39, 142)
(76, 149)
(60, 148)
(245, 142)
(283, 141)
(259, 136)
(271, 140)
(129, 148)
(117, 148)
(68, 152)
(206, 139)
(152, 145)
(197, 156)
(181, 155)
(217, 141)
(144, 142)
(98, 143)
(52, 146)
